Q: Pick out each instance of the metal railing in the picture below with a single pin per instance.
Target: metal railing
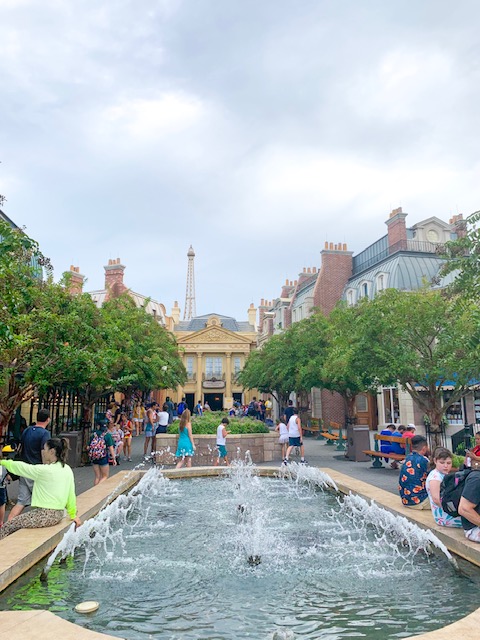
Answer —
(362, 262)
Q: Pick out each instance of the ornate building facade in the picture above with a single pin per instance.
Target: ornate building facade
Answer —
(215, 348)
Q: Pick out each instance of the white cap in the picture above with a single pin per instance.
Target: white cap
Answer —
(411, 426)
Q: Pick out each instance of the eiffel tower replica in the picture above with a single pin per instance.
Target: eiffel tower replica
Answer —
(190, 310)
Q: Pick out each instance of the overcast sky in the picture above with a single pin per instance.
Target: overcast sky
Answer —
(254, 130)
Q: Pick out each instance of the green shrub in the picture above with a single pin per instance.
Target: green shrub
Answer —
(208, 423)
(457, 461)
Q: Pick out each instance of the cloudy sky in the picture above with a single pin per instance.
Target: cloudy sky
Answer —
(254, 130)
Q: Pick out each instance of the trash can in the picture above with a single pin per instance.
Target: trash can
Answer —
(358, 440)
(75, 453)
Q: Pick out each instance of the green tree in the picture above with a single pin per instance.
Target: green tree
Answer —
(284, 364)
(463, 260)
(427, 341)
(345, 366)
(38, 320)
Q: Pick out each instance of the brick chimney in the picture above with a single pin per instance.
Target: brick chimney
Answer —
(75, 281)
(332, 277)
(114, 278)
(459, 225)
(397, 229)
(252, 315)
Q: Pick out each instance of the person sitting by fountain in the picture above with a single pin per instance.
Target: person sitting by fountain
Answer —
(413, 475)
(53, 489)
(222, 434)
(442, 459)
(186, 446)
(469, 505)
(281, 427)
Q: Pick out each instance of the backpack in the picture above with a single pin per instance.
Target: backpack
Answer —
(451, 490)
(97, 449)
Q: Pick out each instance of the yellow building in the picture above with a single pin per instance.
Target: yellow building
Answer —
(214, 349)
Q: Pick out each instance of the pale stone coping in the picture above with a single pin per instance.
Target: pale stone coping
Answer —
(23, 549)
(42, 625)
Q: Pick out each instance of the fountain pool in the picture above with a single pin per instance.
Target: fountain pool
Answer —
(170, 560)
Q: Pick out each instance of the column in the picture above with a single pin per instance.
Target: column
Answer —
(198, 390)
(228, 379)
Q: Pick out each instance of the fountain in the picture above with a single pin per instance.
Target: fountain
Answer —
(246, 556)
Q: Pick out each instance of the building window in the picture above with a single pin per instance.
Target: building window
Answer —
(381, 282)
(361, 403)
(350, 297)
(237, 364)
(189, 367)
(213, 367)
(364, 289)
(391, 405)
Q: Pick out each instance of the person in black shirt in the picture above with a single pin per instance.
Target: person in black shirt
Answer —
(31, 445)
(469, 506)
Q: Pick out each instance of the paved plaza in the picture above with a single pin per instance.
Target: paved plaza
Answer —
(317, 453)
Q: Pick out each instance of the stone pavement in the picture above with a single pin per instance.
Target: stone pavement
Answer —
(317, 453)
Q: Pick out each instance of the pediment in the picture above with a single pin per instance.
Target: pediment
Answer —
(213, 335)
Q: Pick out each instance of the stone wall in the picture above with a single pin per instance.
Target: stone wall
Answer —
(263, 447)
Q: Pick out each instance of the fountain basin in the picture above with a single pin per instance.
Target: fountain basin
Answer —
(345, 484)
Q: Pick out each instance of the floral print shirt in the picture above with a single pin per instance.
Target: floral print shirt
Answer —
(412, 479)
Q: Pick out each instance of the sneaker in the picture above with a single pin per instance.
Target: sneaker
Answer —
(129, 459)
(286, 461)
(303, 462)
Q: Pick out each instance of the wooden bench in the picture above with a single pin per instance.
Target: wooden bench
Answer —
(377, 455)
(331, 437)
(312, 427)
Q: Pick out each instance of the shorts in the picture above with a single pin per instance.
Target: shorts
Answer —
(101, 461)
(162, 428)
(425, 504)
(3, 496)
(473, 534)
(295, 442)
(222, 450)
(283, 439)
(148, 432)
(25, 487)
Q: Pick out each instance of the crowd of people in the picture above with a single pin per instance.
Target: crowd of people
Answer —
(46, 483)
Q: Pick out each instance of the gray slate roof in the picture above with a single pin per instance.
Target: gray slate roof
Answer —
(199, 322)
(405, 271)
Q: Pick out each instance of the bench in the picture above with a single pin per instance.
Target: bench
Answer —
(312, 428)
(331, 437)
(377, 455)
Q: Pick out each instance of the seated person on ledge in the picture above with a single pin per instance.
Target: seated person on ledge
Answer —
(442, 459)
(53, 489)
(469, 506)
(413, 475)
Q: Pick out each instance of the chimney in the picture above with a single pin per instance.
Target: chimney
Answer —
(74, 281)
(175, 313)
(459, 225)
(252, 315)
(114, 278)
(397, 230)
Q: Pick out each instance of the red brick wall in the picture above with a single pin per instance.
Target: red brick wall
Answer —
(397, 229)
(333, 276)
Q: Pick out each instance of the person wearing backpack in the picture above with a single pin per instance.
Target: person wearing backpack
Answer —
(469, 505)
(100, 448)
(442, 460)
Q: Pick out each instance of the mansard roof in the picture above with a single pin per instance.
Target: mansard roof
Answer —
(200, 322)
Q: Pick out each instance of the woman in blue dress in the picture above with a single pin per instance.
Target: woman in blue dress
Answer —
(186, 446)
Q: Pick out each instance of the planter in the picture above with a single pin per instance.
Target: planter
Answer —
(263, 447)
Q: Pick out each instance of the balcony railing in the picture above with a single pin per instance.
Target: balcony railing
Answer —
(364, 262)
